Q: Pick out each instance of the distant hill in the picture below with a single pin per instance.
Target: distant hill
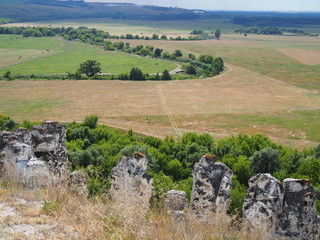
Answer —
(37, 10)
(32, 10)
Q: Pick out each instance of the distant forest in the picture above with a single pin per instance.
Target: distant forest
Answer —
(37, 10)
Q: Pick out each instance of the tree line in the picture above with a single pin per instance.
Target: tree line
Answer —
(271, 31)
(275, 21)
(97, 148)
(86, 34)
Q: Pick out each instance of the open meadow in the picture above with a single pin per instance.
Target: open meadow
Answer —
(271, 86)
(57, 56)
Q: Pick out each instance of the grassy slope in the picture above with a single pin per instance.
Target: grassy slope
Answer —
(69, 61)
(259, 55)
(15, 49)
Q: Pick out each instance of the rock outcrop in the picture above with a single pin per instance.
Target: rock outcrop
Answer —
(298, 219)
(263, 202)
(78, 183)
(286, 211)
(130, 182)
(211, 185)
(37, 158)
(175, 203)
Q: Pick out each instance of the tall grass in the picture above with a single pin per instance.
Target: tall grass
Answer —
(77, 217)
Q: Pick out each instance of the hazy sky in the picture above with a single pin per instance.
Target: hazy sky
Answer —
(260, 5)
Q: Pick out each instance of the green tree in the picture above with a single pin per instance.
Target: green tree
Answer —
(166, 55)
(164, 37)
(91, 121)
(90, 68)
(136, 74)
(155, 37)
(190, 69)
(217, 34)
(77, 74)
(166, 75)
(7, 75)
(218, 64)
(206, 58)
(317, 151)
(310, 167)
(265, 161)
(144, 52)
(178, 53)
(157, 52)
(192, 56)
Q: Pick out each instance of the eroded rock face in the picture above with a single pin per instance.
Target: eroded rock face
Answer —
(175, 203)
(286, 211)
(211, 185)
(78, 183)
(130, 182)
(37, 158)
(263, 202)
(298, 219)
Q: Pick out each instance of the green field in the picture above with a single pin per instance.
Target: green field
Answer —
(56, 56)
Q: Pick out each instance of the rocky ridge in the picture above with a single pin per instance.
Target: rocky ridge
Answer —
(285, 210)
(38, 158)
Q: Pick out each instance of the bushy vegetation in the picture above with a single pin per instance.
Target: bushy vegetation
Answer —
(271, 31)
(97, 149)
(260, 30)
(90, 35)
(5, 20)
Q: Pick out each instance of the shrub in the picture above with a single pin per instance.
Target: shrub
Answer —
(208, 59)
(123, 76)
(91, 121)
(178, 53)
(7, 75)
(265, 161)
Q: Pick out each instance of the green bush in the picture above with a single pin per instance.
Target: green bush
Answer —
(166, 75)
(265, 161)
(91, 121)
(136, 74)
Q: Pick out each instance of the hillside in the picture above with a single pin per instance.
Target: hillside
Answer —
(24, 10)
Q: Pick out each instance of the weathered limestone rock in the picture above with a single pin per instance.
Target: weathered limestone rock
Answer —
(263, 202)
(49, 145)
(285, 211)
(130, 182)
(78, 183)
(211, 185)
(175, 203)
(298, 219)
(34, 159)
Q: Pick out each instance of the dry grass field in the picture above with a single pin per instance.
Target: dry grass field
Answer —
(197, 105)
(56, 213)
(271, 86)
(263, 54)
(305, 56)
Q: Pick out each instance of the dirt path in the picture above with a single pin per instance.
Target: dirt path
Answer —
(166, 109)
(175, 71)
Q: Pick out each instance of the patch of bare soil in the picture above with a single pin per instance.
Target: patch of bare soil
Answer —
(305, 56)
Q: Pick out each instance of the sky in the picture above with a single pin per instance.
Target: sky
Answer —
(250, 5)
